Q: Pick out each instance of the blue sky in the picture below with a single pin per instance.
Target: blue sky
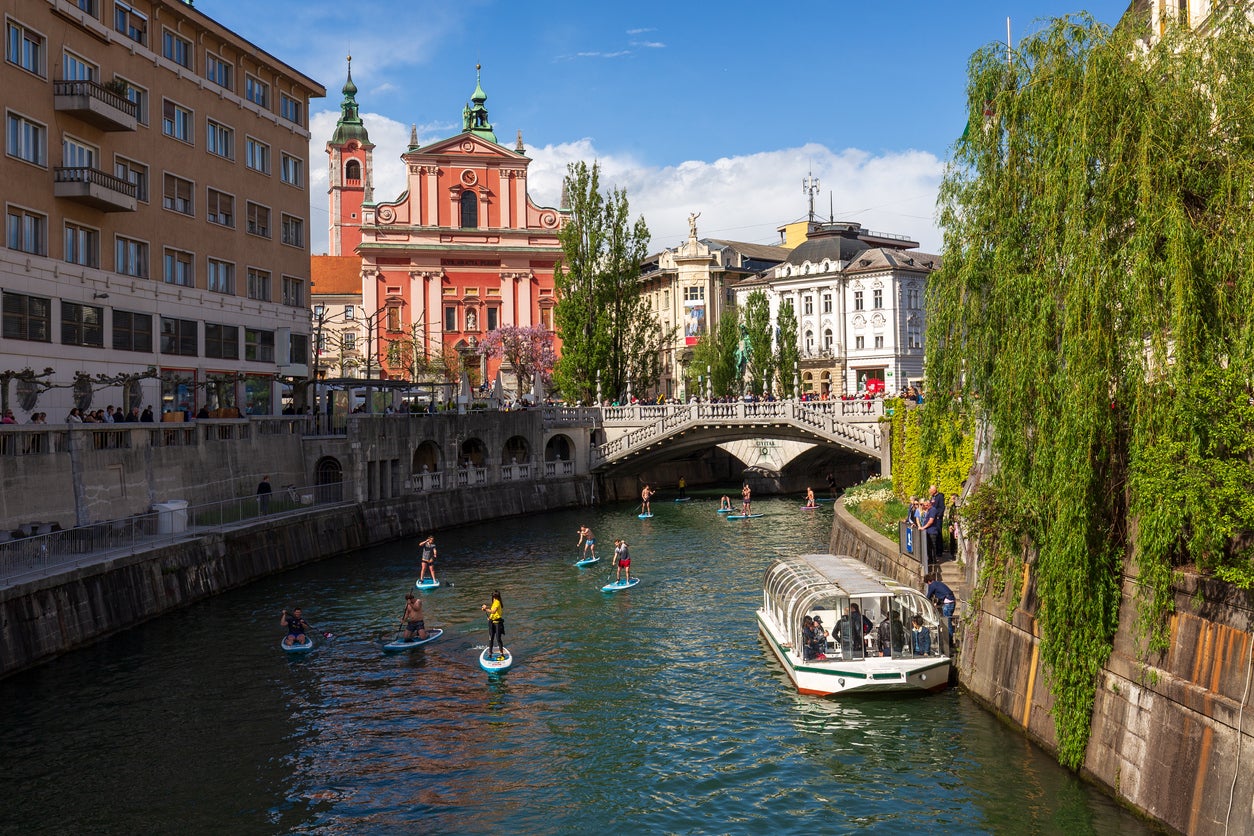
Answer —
(719, 108)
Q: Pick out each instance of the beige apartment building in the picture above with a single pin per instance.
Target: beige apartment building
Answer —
(155, 185)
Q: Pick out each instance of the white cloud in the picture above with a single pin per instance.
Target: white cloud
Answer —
(743, 198)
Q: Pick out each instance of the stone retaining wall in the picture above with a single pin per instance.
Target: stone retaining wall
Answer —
(42, 619)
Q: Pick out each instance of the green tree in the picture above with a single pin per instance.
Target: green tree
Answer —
(604, 323)
(789, 350)
(1097, 271)
(757, 323)
(716, 350)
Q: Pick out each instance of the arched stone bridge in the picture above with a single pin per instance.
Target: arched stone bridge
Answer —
(665, 431)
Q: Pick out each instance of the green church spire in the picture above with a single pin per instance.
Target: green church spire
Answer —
(349, 125)
(475, 118)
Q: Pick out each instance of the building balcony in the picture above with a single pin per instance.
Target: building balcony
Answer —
(95, 104)
(93, 187)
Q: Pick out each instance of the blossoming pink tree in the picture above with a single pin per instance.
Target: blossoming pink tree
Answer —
(528, 349)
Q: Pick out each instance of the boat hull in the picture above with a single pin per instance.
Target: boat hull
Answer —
(835, 677)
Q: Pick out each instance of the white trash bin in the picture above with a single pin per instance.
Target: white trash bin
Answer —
(171, 516)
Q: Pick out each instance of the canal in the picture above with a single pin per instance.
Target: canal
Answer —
(656, 710)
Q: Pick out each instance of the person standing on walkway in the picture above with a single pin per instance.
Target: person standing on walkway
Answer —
(941, 595)
(496, 622)
(588, 541)
(264, 489)
(428, 559)
(938, 502)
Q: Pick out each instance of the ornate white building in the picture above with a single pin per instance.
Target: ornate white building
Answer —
(858, 297)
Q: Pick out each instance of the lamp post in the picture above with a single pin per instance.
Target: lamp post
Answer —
(796, 381)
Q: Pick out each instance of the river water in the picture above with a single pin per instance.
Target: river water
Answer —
(656, 710)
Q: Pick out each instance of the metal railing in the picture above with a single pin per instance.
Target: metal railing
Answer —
(38, 549)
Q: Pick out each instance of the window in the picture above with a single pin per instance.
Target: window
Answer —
(293, 292)
(132, 331)
(494, 319)
(221, 277)
(914, 335)
(177, 49)
(857, 300)
(350, 340)
(292, 170)
(76, 154)
(131, 258)
(257, 155)
(258, 285)
(178, 195)
(220, 140)
(350, 312)
(222, 341)
(298, 348)
(27, 318)
(470, 210)
(546, 319)
(88, 6)
(176, 121)
(809, 341)
(25, 48)
(178, 336)
(694, 293)
(352, 171)
(220, 208)
(134, 173)
(139, 96)
(258, 345)
(827, 303)
(27, 231)
(859, 342)
(82, 245)
(76, 68)
(912, 297)
(130, 23)
(27, 140)
(878, 299)
(256, 91)
(179, 268)
(218, 71)
(879, 340)
(82, 325)
(450, 318)
(828, 340)
(293, 231)
(291, 109)
(258, 220)
(393, 318)
(808, 305)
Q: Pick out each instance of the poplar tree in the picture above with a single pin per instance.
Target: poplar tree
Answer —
(604, 323)
(789, 348)
(716, 350)
(757, 325)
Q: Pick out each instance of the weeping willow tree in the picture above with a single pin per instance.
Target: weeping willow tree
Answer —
(1096, 306)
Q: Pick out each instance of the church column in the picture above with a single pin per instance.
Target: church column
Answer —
(520, 199)
(433, 197)
(509, 291)
(526, 316)
(506, 181)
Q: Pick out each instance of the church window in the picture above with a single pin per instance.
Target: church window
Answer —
(352, 171)
(470, 210)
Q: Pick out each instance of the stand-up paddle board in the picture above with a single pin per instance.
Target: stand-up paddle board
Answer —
(684, 499)
(426, 584)
(496, 662)
(743, 516)
(644, 516)
(809, 507)
(587, 561)
(724, 510)
(619, 586)
(297, 647)
(406, 644)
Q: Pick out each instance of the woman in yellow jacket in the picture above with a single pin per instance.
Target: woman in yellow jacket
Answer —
(496, 622)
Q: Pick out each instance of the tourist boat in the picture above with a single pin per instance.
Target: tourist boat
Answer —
(851, 659)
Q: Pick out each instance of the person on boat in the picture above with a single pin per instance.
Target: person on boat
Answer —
(853, 628)
(496, 623)
(622, 560)
(725, 504)
(683, 487)
(892, 635)
(807, 638)
(428, 559)
(941, 595)
(820, 638)
(588, 541)
(415, 623)
(745, 499)
(810, 501)
(920, 637)
(645, 496)
(296, 626)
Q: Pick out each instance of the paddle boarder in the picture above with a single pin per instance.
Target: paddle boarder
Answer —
(645, 496)
(745, 499)
(413, 619)
(622, 560)
(810, 502)
(496, 623)
(588, 541)
(428, 559)
(683, 487)
(296, 626)
(724, 504)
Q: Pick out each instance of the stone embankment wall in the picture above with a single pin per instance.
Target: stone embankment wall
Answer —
(42, 619)
(853, 537)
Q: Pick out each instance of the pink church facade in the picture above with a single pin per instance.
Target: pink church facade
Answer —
(463, 251)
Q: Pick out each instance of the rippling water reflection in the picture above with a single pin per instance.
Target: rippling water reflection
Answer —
(653, 710)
